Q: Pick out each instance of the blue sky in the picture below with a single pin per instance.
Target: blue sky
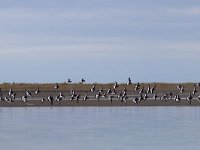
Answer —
(99, 40)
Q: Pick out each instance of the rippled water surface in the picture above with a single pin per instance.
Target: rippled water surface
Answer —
(100, 128)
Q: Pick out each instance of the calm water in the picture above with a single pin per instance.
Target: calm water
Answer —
(100, 128)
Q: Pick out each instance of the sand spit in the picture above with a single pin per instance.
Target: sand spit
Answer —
(64, 94)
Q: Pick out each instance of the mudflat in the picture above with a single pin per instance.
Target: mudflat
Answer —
(101, 95)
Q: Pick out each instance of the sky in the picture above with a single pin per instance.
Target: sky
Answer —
(99, 40)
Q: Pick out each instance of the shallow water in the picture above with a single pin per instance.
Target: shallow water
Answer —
(100, 128)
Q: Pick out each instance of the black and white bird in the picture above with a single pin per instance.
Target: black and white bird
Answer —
(72, 92)
(37, 90)
(171, 95)
(111, 98)
(93, 88)
(50, 99)
(155, 96)
(141, 90)
(180, 88)
(10, 92)
(61, 95)
(198, 84)
(137, 86)
(136, 100)
(72, 97)
(177, 98)
(146, 96)
(194, 91)
(115, 85)
(109, 91)
(198, 98)
(97, 96)
(58, 99)
(85, 97)
(77, 98)
(189, 98)
(148, 88)
(24, 98)
(7, 99)
(153, 89)
(43, 100)
(28, 94)
(119, 96)
(125, 98)
(56, 86)
(113, 92)
(165, 97)
(101, 90)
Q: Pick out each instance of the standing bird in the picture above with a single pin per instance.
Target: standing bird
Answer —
(85, 97)
(136, 100)
(7, 99)
(115, 85)
(93, 88)
(114, 92)
(137, 86)
(177, 98)
(56, 86)
(24, 98)
(50, 99)
(198, 84)
(28, 94)
(194, 91)
(141, 90)
(129, 81)
(189, 98)
(72, 92)
(58, 99)
(109, 91)
(38, 90)
(125, 98)
(111, 98)
(153, 89)
(148, 88)
(82, 80)
(77, 98)
(97, 96)
(145, 96)
(42, 100)
(198, 98)
(180, 88)
(10, 92)
(61, 95)
(69, 81)
(155, 96)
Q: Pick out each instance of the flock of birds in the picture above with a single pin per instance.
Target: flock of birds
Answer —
(138, 95)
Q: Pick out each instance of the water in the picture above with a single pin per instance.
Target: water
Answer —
(100, 128)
